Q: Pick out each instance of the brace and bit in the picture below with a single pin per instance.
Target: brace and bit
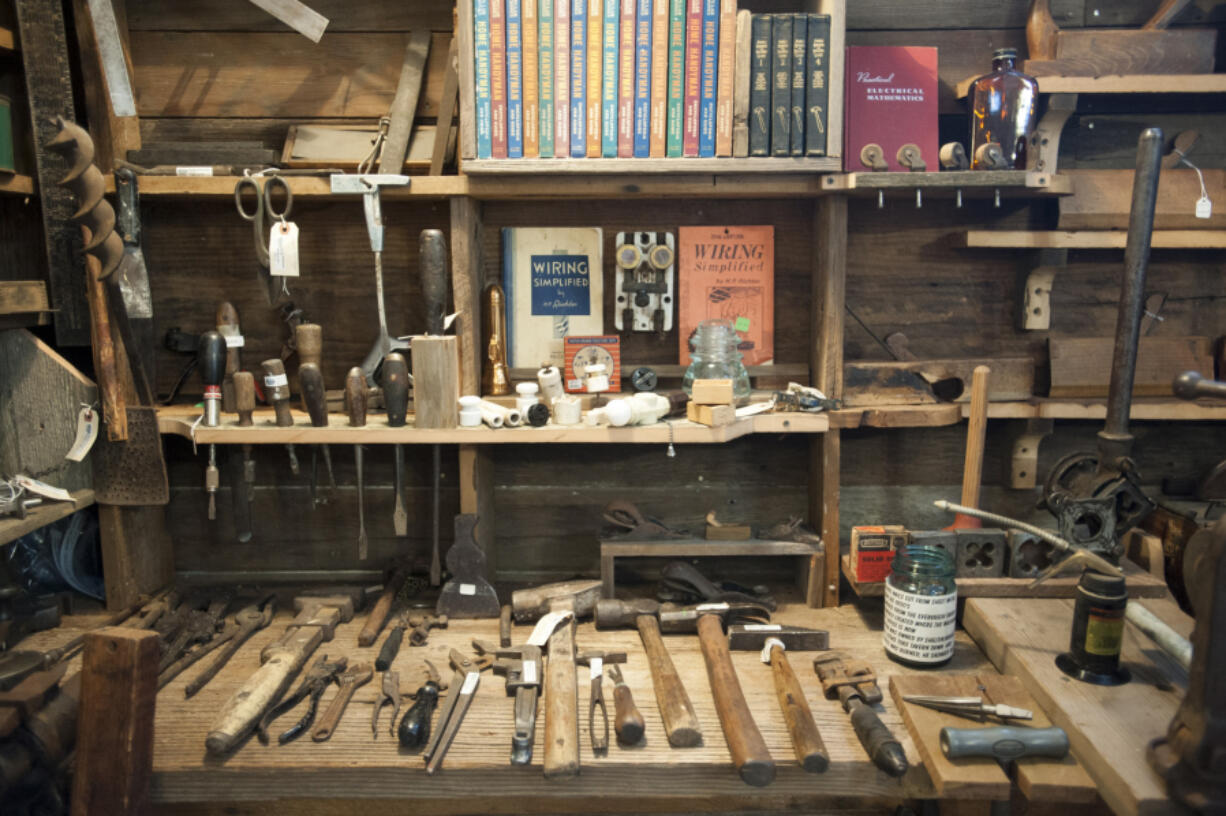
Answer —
(321, 674)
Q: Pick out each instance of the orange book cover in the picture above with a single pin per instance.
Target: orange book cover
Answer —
(659, 77)
(724, 78)
(532, 109)
(728, 273)
(595, 44)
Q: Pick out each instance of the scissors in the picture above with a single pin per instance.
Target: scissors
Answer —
(262, 218)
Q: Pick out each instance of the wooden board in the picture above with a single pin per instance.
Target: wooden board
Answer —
(1103, 199)
(20, 297)
(279, 75)
(1081, 366)
(1039, 779)
(13, 528)
(436, 371)
(530, 167)
(344, 146)
(1108, 727)
(1099, 51)
(352, 765)
(612, 549)
(1115, 84)
(902, 382)
(240, 15)
(1140, 585)
(1091, 239)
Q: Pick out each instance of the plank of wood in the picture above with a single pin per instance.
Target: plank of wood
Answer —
(467, 84)
(901, 382)
(1137, 83)
(8, 40)
(1140, 585)
(404, 103)
(1012, 182)
(898, 416)
(533, 167)
(13, 528)
(1104, 198)
(1081, 366)
(970, 778)
(344, 146)
(436, 381)
(16, 184)
(1100, 51)
(1104, 239)
(114, 749)
(272, 75)
(17, 297)
(109, 94)
(448, 104)
(297, 15)
(466, 286)
(343, 15)
(1108, 728)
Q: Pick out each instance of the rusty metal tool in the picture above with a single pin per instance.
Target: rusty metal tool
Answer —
(974, 708)
(250, 619)
(414, 728)
(595, 660)
(504, 626)
(192, 656)
(355, 408)
(432, 253)
(774, 641)
(627, 719)
(316, 623)
(522, 667)
(347, 683)
(378, 614)
(463, 686)
(389, 694)
(467, 594)
(198, 626)
(680, 722)
(855, 685)
(322, 674)
(276, 392)
(395, 380)
(419, 625)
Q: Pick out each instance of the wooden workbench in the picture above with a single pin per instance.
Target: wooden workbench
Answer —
(352, 769)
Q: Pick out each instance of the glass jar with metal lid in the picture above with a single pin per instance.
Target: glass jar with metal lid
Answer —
(921, 607)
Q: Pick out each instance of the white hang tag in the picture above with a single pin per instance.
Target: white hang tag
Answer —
(545, 626)
(234, 340)
(42, 488)
(468, 589)
(597, 667)
(530, 671)
(449, 319)
(87, 433)
(275, 380)
(283, 249)
(193, 170)
(1204, 207)
(470, 683)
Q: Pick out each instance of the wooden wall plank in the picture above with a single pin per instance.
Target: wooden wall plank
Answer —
(241, 15)
(215, 74)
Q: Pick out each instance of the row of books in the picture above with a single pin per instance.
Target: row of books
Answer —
(647, 79)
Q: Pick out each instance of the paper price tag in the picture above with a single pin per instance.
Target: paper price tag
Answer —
(193, 170)
(762, 627)
(468, 589)
(42, 488)
(1204, 207)
(234, 340)
(530, 672)
(283, 249)
(87, 434)
(470, 683)
(597, 667)
(275, 380)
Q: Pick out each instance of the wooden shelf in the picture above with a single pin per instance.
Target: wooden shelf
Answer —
(17, 184)
(587, 167)
(932, 416)
(614, 548)
(8, 40)
(1139, 582)
(12, 528)
(1115, 84)
(969, 182)
(1091, 239)
(180, 418)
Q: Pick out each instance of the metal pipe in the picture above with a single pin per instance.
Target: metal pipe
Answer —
(1114, 440)
(1191, 385)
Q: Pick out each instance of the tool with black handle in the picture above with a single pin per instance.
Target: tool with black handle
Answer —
(854, 683)
(391, 645)
(210, 362)
(355, 408)
(627, 719)
(276, 393)
(432, 249)
(414, 729)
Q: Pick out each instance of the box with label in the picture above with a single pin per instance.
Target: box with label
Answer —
(872, 550)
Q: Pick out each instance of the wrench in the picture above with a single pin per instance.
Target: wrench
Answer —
(348, 682)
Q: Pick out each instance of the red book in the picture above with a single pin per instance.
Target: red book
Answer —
(891, 100)
(693, 76)
(498, 78)
(625, 84)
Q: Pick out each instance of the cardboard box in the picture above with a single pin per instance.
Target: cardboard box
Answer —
(872, 550)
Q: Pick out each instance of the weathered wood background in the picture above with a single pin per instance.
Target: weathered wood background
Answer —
(223, 69)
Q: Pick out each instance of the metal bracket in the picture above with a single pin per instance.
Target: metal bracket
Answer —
(1036, 314)
(1045, 143)
(1024, 461)
(368, 186)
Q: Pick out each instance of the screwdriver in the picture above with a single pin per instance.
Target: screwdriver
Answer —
(432, 249)
(309, 340)
(228, 328)
(395, 376)
(276, 392)
(414, 730)
(311, 384)
(244, 404)
(210, 359)
(355, 407)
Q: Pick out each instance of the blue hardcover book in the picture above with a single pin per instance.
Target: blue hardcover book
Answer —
(710, 63)
(608, 78)
(642, 79)
(544, 40)
(481, 53)
(578, 78)
(515, 81)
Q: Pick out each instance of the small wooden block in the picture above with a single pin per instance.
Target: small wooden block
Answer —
(729, 532)
(115, 724)
(712, 392)
(712, 416)
(436, 381)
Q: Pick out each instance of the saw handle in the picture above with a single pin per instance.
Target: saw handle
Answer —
(627, 719)
(806, 739)
(750, 755)
(414, 730)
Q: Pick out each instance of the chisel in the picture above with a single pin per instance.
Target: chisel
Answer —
(355, 407)
(311, 384)
(230, 331)
(309, 341)
(244, 404)
(395, 376)
(276, 394)
(432, 251)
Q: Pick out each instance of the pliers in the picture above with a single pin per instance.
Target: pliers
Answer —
(389, 694)
(321, 674)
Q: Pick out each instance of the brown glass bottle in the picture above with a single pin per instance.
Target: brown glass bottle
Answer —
(1003, 109)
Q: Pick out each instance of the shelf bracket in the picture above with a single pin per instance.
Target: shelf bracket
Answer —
(1024, 461)
(1045, 144)
(1036, 298)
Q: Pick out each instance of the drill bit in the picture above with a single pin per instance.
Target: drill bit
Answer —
(212, 480)
(362, 543)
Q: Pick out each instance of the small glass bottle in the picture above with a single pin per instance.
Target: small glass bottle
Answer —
(714, 356)
(1003, 109)
(921, 607)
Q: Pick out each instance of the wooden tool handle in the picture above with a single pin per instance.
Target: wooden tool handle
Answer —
(395, 389)
(561, 705)
(1041, 31)
(378, 613)
(309, 340)
(806, 739)
(680, 721)
(244, 396)
(355, 397)
(114, 407)
(977, 425)
(627, 719)
(750, 755)
(314, 396)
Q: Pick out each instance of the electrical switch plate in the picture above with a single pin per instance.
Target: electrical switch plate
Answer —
(646, 272)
